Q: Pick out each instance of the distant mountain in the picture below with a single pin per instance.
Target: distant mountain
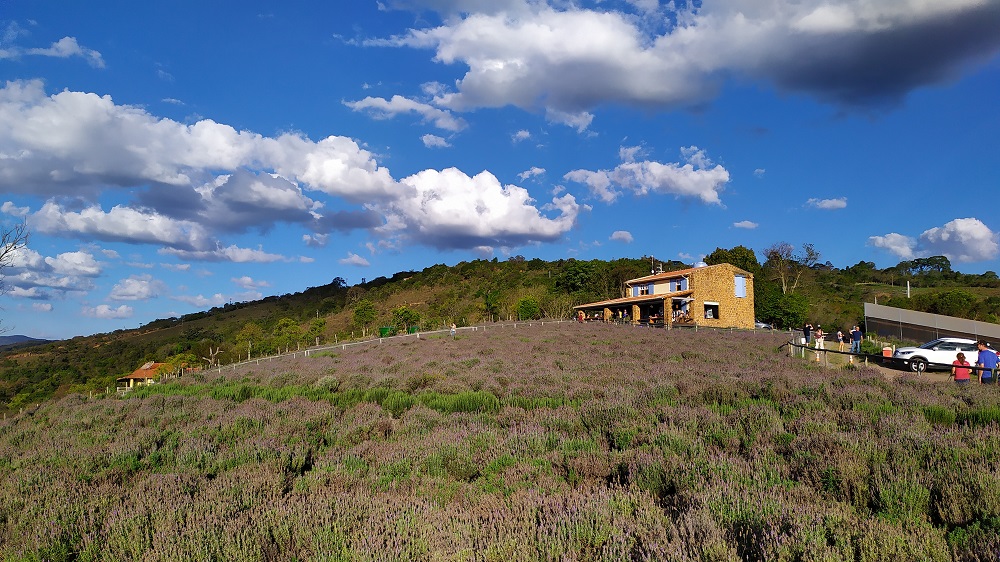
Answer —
(15, 340)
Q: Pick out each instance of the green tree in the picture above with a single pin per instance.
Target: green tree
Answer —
(740, 256)
(575, 276)
(784, 310)
(528, 309)
(492, 299)
(956, 303)
(287, 333)
(316, 328)
(404, 317)
(785, 266)
(251, 339)
(175, 363)
(364, 315)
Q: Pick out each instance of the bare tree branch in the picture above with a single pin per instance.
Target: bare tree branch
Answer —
(11, 241)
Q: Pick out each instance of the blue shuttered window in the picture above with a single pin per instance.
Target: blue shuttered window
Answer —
(741, 286)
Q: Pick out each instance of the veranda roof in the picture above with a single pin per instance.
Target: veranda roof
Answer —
(635, 300)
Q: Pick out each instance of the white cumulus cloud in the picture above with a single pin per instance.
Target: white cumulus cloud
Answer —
(449, 209)
(75, 264)
(105, 312)
(381, 108)
(193, 184)
(961, 240)
(532, 172)
(69, 47)
(354, 259)
(698, 177)
(622, 236)
(749, 225)
(828, 204)
(434, 141)
(137, 288)
(569, 57)
(249, 283)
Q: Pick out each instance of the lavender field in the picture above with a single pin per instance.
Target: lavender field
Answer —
(542, 442)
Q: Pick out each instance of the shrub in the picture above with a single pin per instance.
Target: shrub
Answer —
(939, 415)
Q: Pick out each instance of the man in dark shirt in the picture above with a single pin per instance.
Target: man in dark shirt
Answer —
(856, 340)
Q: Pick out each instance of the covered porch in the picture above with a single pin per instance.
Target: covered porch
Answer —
(648, 310)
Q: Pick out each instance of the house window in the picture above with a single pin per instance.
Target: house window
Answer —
(645, 290)
(741, 286)
(712, 310)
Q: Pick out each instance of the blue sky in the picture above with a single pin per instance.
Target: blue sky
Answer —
(172, 157)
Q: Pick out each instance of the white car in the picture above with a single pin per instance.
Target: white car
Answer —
(937, 354)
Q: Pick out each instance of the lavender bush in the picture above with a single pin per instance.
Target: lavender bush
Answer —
(541, 442)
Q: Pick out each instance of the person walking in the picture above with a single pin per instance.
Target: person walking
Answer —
(856, 340)
(960, 370)
(987, 363)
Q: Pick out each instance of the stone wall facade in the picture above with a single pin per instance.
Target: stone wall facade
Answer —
(717, 284)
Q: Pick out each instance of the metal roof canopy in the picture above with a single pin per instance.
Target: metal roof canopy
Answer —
(923, 326)
(634, 300)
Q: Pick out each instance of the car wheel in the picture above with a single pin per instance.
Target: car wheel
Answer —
(918, 365)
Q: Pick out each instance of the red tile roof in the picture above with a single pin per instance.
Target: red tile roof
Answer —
(147, 371)
(679, 273)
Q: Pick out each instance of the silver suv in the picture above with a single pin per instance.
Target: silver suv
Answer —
(938, 354)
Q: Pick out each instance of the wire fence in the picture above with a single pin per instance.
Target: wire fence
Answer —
(886, 358)
(445, 332)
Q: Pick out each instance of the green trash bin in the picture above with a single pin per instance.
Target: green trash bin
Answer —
(413, 329)
(386, 331)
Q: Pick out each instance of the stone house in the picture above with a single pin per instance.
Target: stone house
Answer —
(718, 296)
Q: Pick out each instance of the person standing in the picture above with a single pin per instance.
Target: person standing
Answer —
(807, 332)
(961, 369)
(454, 328)
(856, 340)
(819, 336)
(840, 340)
(987, 363)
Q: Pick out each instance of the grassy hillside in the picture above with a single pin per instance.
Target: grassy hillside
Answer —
(548, 442)
(467, 293)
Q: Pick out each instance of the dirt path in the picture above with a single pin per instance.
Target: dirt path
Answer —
(836, 360)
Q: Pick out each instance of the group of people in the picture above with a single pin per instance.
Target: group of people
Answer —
(818, 336)
(985, 369)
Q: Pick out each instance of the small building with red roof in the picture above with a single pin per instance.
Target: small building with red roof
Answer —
(147, 374)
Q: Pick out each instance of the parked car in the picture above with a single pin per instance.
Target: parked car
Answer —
(937, 354)
(762, 325)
